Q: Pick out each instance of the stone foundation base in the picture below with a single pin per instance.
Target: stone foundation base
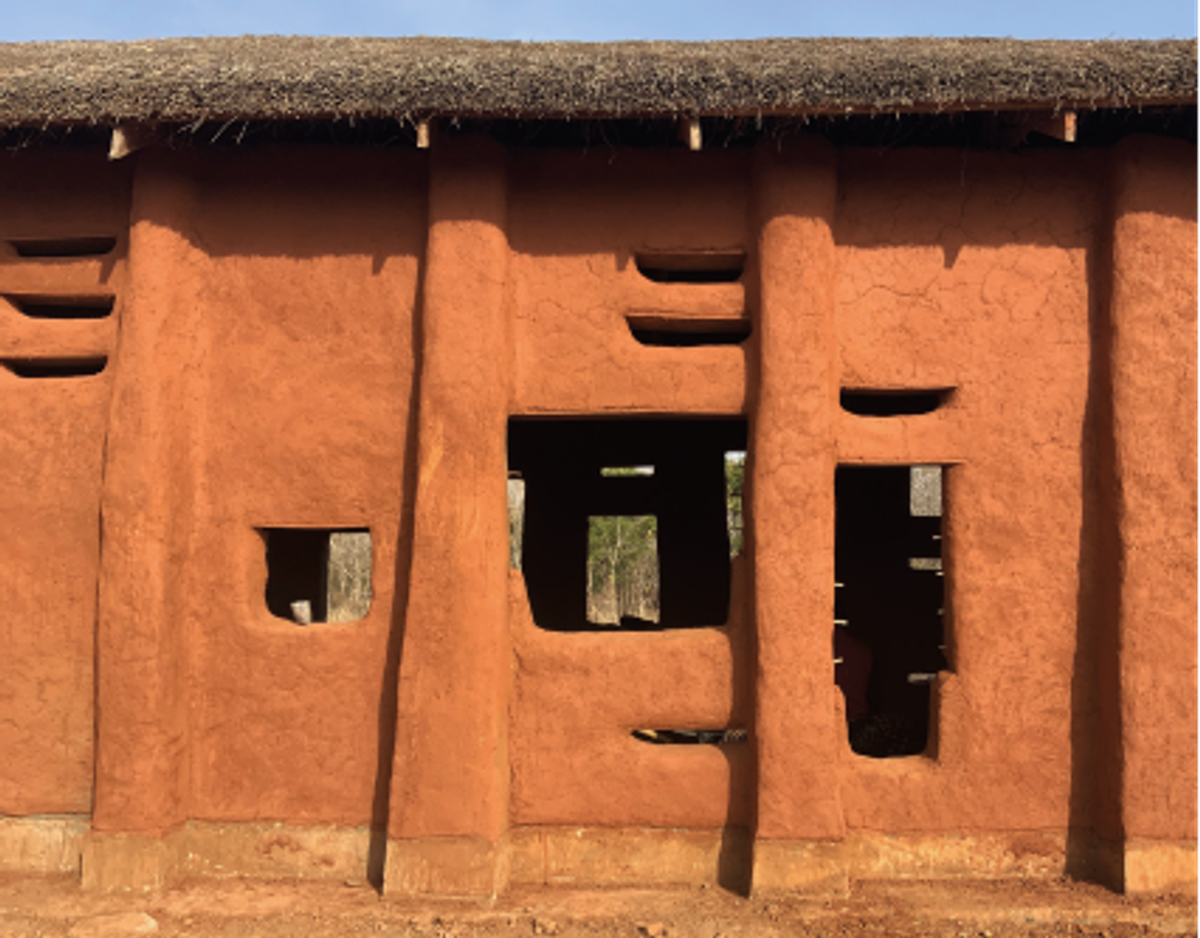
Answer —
(446, 867)
(584, 856)
(1153, 866)
(42, 844)
(802, 867)
(131, 861)
(266, 851)
(597, 856)
(474, 868)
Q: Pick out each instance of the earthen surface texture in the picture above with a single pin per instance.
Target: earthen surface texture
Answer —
(242, 908)
(330, 339)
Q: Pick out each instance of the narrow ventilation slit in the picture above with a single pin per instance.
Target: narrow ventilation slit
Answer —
(681, 737)
(679, 332)
(621, 472)
(891, 403)
(63, 247)
(56, 367)
(691, 266)
(63, 307)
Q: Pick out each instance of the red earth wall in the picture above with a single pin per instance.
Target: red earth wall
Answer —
(336, 338)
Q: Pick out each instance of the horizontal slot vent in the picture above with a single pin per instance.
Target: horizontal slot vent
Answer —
(56, 367)
(63, 307)
(690, 737)
(63, 247)
(682, 332)
(892, 403)
(691, 266)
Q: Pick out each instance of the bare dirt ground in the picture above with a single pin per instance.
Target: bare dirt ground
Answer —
(56, 907)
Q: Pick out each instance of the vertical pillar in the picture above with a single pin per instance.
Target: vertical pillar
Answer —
(792, 466)
(147, 502)
(1154, 422)
(449, 795)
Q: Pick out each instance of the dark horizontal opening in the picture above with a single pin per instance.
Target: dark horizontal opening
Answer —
(63, 307)
(63, 247)
(681, 332)
(690, 737)
(55, 367)
(888, 403)
(691, 266)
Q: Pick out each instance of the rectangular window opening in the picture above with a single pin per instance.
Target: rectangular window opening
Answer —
(622, 571)
(888, 636)
(318, 574)
(624, 522)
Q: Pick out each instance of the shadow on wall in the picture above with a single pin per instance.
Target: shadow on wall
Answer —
(389, 689)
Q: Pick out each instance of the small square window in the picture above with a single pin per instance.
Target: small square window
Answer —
(318, 574)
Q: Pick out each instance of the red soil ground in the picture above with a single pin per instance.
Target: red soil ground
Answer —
(56, 907)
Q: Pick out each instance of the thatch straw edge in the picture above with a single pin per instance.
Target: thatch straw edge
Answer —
(289, 78)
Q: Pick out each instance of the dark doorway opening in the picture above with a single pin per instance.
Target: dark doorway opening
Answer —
(888, 634)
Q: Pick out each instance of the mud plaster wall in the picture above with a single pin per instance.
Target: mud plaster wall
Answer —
(575, 225)
(1154, 407)
(264, 376)
(52, 439)
(957, 271)
(986, 273)
(287, 296)
(312, 280)
(977, 272)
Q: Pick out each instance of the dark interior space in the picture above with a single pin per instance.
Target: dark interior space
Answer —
(872, 403)
(691, 266)
(561, 463)
(657, 330)
(888, 130)
(63, 307)
(888, 641)
(63, 247)
(297, 570)
(329, 569)
(84, 367)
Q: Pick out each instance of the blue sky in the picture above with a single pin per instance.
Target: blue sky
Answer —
(22, 20)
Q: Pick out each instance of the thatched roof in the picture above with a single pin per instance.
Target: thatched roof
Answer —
(286, 78)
